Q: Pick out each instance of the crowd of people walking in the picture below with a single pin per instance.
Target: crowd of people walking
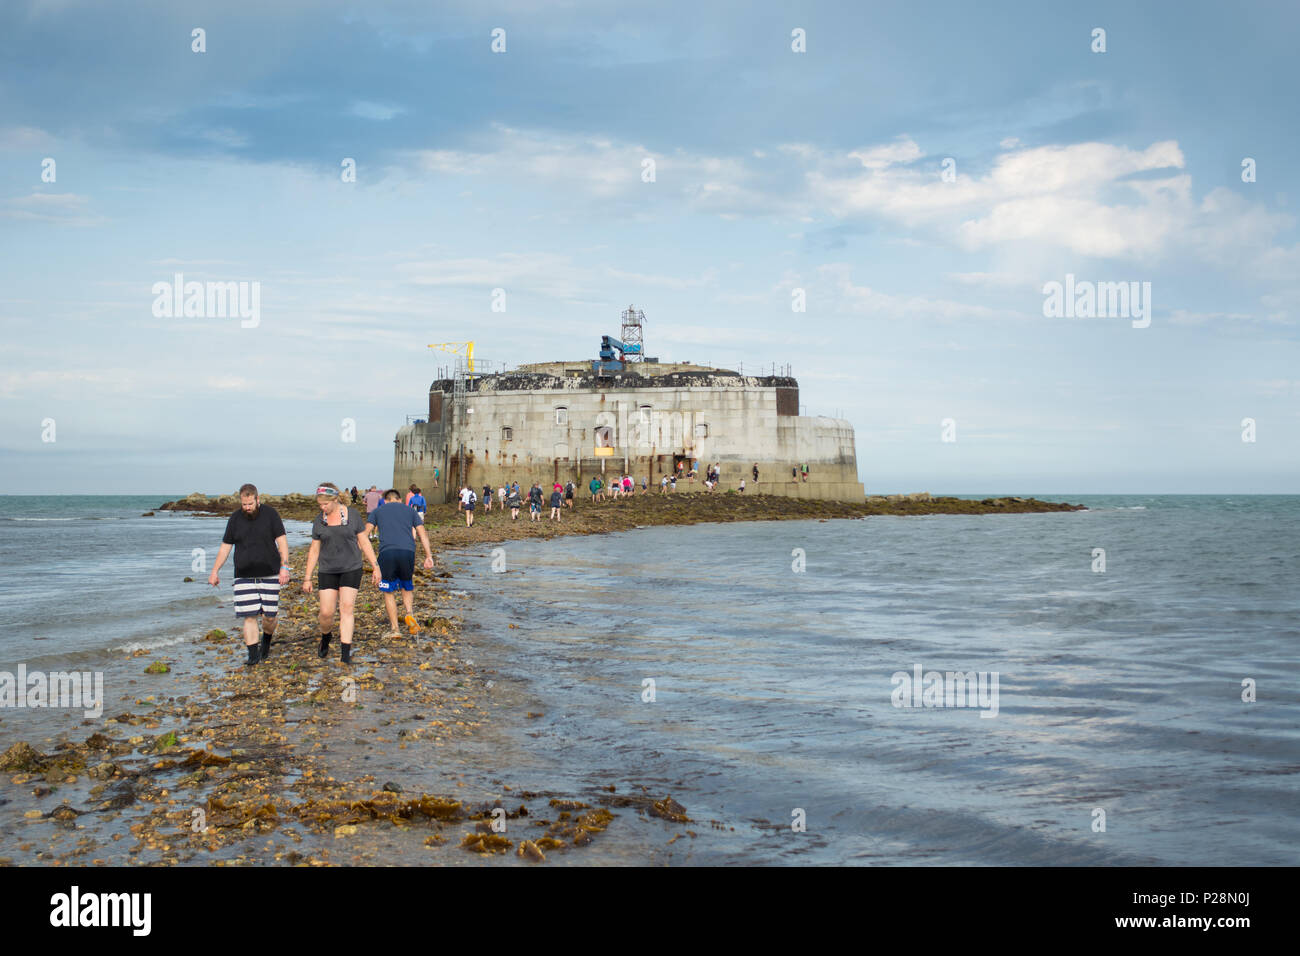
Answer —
(342, 545)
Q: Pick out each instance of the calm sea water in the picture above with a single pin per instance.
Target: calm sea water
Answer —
(86, 577)
(1119, 691)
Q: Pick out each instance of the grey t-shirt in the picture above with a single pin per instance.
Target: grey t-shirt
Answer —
(339, 551)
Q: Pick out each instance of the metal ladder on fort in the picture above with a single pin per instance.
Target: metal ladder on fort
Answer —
(464, 352)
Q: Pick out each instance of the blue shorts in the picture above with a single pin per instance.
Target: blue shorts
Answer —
(397, 568)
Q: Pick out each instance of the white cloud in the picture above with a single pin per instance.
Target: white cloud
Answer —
(67, 209)
(24, 137)
(368, 109)
(600, 169)
(864, 300)
(544, 273)
(1090, 199)
(991, 280)
(187, 263)
(708, 277)
(222, 136)
(902, 150)
(1046, 194)
(539, 273)
(1184, 317)
(38, 382)
(229, 383)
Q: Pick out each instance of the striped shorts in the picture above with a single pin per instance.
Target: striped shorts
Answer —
(255, 596)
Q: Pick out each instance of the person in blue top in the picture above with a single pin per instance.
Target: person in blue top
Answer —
(397, 525)
(418, 503)
(557, 500)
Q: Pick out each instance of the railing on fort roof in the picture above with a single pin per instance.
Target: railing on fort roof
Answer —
(481, 367)
(764, 371)
(421, 419)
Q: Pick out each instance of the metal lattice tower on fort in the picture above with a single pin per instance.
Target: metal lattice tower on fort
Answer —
(633, 334)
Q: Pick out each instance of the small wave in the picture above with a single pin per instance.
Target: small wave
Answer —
(74, 518)
(134, 646)
(78, 518)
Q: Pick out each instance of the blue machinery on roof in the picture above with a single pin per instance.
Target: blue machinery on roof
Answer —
(607, 363)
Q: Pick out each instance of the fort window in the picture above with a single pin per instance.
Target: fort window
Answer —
(605, 437)
(561, 415)
(701, 430)
(507, 433)
(645, 414)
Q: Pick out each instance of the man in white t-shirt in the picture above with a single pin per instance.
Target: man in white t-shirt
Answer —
(467, 499)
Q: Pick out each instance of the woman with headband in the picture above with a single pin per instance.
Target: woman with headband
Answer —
(338, 541)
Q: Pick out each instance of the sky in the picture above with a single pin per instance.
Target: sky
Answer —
(914, 175)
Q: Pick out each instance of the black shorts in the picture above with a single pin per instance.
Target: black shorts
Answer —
(332, 582)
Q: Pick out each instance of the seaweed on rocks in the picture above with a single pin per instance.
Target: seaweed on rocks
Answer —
(486, 843)
(236, 770)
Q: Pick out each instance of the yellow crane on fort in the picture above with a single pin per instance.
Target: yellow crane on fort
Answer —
(458, 348)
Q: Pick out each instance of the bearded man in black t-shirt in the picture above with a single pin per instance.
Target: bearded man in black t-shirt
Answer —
(256, 533)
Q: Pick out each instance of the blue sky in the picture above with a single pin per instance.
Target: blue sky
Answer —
(774, 171)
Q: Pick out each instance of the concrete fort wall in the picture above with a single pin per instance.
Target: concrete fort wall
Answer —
(569, 432)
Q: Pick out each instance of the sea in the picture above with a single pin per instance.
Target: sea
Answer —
(85, 578)
(1113, 686)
